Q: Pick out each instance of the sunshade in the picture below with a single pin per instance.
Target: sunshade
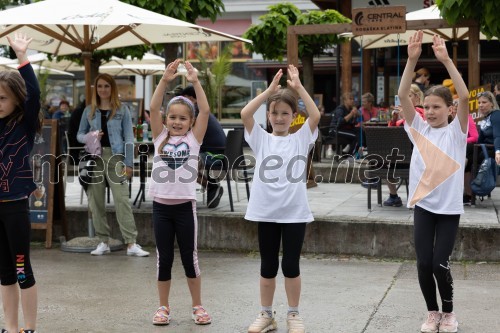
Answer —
(63, 27)
(429, 13)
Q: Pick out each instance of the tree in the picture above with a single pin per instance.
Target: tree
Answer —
(270, 36)
(485, 12)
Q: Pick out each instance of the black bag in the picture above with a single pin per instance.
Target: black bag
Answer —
(86, 164)
(486, 178)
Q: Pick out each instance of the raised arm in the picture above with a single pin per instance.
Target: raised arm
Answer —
(312, 110)
(439, 47)
(414, 50)
(20, 45)
(249, 110)
(157, 99)
(200, 126)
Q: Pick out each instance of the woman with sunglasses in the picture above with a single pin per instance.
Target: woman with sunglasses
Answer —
(489, 133)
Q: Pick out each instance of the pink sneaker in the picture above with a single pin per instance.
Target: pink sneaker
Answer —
(431, 324)
(448, 322)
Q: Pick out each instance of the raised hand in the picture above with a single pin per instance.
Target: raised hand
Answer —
(20, 43)
(192, 73)
(275, 84)
(171, 71)
(439, 47)
(293, 77)
(415, 45)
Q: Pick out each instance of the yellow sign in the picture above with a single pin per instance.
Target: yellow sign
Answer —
(378, 20)
(473, 104)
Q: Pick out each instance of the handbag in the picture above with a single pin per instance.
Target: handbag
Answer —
(86, 164)
(486, 178)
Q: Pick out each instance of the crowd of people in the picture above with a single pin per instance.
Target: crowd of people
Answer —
(187, 137)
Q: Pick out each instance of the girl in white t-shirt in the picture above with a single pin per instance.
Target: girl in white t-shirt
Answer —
(278, 200)
(436, 181)
(173, 186)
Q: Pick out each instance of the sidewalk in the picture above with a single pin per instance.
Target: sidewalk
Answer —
(327, 201)
(116, 293)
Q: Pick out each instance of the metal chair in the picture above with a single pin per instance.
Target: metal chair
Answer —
(329, 135)
(383, 142)
(233, 161)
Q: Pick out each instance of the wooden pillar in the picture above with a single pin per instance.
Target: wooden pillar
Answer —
(367, 73)
(345, 50)
(473, 56)
(292, 48)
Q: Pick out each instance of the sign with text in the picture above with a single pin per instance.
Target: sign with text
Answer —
(378, 20)
(473, 103)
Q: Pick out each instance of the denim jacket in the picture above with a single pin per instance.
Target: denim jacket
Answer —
(121, 134)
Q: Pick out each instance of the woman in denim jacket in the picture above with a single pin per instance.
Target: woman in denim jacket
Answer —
(107, 123)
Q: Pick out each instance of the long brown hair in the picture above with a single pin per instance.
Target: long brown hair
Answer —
(13, 83)
(440, 91)
(96, 100)
(286, 96)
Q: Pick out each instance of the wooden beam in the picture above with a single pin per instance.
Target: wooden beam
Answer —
(292, 47)
(473, 57)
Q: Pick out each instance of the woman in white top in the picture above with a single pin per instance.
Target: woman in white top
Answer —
(278, 200)
(436, 181)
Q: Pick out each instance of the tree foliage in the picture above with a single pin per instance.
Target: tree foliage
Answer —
(270, 36)
(485, 12)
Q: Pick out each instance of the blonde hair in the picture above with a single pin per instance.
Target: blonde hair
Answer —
(96, 100)
(415, 89)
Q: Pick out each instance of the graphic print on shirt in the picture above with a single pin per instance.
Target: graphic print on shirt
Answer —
(175, 155)
(9, 153)
(438, 166)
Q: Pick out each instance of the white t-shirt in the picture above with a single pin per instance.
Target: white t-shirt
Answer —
(437, 167)
(279, 191)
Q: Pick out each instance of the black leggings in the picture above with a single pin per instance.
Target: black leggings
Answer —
(270, 236)
(15, 230)
(434, 241)
(176, 222)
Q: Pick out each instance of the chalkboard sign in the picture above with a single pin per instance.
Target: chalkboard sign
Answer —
(135, 108)
(43, 163)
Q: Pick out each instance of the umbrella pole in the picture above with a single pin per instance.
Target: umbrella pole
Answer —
(86, 55)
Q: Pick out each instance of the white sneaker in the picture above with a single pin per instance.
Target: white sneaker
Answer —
(101, 249)
(329, 153)
(347, 148)
(137, 251)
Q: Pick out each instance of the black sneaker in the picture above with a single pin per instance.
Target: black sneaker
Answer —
(467, 200)
(213, 198)
(393, 202)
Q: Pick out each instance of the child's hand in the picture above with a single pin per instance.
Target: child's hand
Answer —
(170, 72)
(192, 73)
(439, 47)
(415, 45)
(20, 43)
(293, 77)
(275, 86)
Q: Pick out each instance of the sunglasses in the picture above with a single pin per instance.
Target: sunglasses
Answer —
(485, 94)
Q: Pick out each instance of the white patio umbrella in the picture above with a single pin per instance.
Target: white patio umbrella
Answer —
(63, 27)
(429, 13)
(11, 64)
(135, 69)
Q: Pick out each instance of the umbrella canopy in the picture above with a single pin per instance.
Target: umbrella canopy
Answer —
(11, 64)
(429, 13)
(63, 27)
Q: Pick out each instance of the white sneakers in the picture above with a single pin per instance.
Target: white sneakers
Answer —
(101, 249)
(264, 323)
(135, 250)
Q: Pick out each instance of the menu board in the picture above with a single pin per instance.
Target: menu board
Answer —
(43, 163)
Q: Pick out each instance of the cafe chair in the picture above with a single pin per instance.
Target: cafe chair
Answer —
(329, 136)
(233, 163)
(381, 141)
